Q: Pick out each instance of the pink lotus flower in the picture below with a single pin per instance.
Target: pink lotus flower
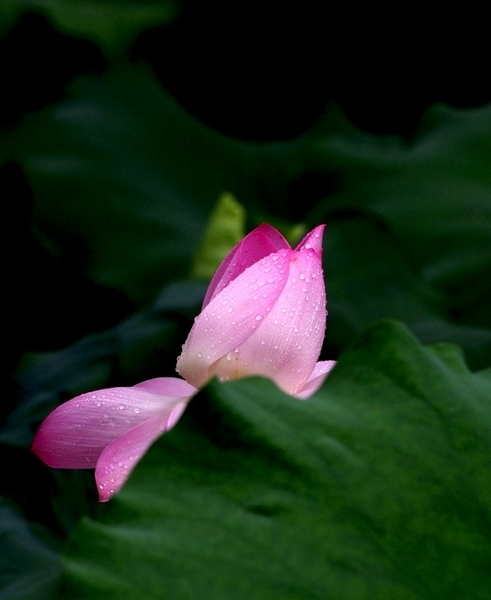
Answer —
(264, 313)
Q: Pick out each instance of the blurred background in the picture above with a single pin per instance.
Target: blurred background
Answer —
(123, 123)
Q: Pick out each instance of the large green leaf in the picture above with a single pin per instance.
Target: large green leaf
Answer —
(433, 192)
(377, 487)
(110, 24)
(30, 565)
(369, 274)
(125, 180)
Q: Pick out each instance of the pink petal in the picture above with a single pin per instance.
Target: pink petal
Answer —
(275, 237)
(312, 240)
(261, 242)
(317, 378)
(120, 457)
(74, 434)
(287, 342)
(233, 315)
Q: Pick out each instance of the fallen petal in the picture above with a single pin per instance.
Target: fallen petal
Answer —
(74, 434)
(121, 456)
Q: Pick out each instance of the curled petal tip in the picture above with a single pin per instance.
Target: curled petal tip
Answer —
(313, 239)
(316, 379)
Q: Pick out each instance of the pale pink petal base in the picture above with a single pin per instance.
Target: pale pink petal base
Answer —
(317, 378)
(121, 456)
